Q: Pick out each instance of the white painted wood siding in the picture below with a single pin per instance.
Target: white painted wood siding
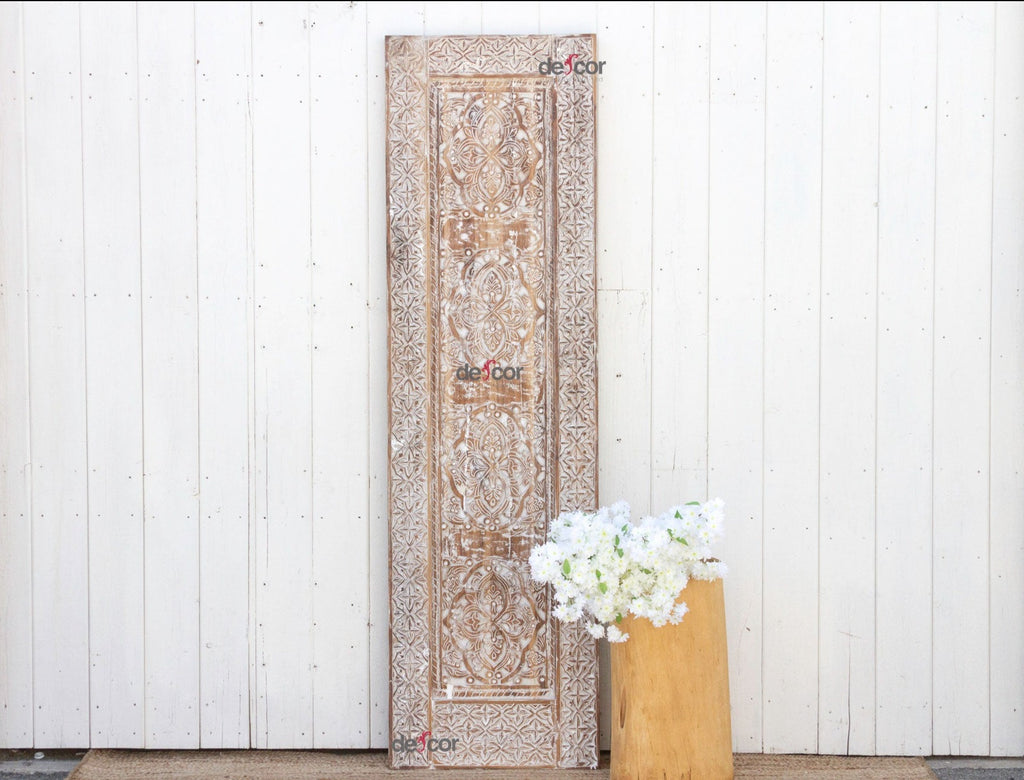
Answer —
(811, 265)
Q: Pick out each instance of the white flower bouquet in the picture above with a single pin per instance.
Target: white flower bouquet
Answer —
(603, 567)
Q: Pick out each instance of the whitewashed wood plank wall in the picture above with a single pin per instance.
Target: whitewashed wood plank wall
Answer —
(811, 264)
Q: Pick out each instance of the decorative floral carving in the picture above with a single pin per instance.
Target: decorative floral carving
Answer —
(480, 271)
(408, 182)
(498, 734)
(493, 474)
(494, 307)
(491, 624)
(470, 55)
(576, 283)
(492, 153)
(489, 151)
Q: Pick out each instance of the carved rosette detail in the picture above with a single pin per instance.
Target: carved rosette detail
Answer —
(502, 735)
(472, 55)
(576, 284)
(492, 624)
(490, 150)
(490, 158)
(480, 270)
(408, 215)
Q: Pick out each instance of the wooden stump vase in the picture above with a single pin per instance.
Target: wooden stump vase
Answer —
(670, 694)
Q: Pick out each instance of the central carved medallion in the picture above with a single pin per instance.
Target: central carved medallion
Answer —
(492, 381)
(492, 165)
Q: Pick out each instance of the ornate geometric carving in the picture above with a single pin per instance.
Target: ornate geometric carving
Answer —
(491, 619)
(504, 735)
(489, 148)
(408, 215)
(576, 285)
(491, 159)
(491, 269)
(471, 55)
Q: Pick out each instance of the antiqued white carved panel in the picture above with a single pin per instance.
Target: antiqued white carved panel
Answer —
(493, 393)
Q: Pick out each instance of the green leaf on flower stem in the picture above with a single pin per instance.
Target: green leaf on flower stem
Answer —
(616, 540)
(625, 526)
(620, 551)
(603, 587)
(678, 516)
(566, 568)
(618, 618)
(675, 538)
(693, 503)
(646, 571)
(598, 573)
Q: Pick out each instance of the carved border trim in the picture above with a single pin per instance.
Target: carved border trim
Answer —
(411, 61)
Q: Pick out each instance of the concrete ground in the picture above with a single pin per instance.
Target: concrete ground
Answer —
(24, 764)
(57, 765)
(978, 768)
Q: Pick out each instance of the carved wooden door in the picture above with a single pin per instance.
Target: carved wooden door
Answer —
(493, 413)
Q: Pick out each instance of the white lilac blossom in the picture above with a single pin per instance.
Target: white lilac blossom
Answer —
(603, 567)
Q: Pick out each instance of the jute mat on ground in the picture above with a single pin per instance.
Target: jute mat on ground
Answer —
(368, 765)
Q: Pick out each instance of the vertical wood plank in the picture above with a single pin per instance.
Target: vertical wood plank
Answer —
(792, 262)
(624, 373)
(281, 208)
(223, 224)
(624, 256)
(444, 18)
(381, 19)
(906, 223)
(846, 662)
(113, 308)
(15, 455)
(735, 339)
(624, 105)
(341, 658)
(57, 382)
(255, 520)
(679, 288)
(963, 285)
(509, 18)
(569, 17)
(167, 114)
(1007, 409)
(624, 196)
